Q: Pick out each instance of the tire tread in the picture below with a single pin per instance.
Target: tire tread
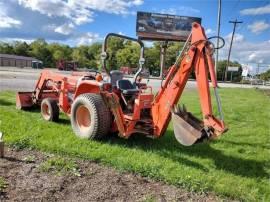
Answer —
(102, 121)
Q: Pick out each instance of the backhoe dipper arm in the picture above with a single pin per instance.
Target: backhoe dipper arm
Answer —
(199, 58)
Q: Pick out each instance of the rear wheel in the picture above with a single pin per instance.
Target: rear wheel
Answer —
(49, 109)
(90, 117)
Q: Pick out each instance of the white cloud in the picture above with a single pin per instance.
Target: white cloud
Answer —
(138, 2)
(59, 8)
(86, 38)
(245, 51)
(256, 11)
(209, 31)
(74, 39)
(57, 20)
(10, 40)
(236, 38)
(181, 10)
(258, 26)
(7, 21)
(108, 6)
(121, 33)
(65, 29)
(79, 11)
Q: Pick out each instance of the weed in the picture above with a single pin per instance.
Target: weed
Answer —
(29, 159)
(150, 199)
(60, 165)
(3, 184)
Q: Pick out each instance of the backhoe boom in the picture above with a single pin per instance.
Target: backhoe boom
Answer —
(199, 58)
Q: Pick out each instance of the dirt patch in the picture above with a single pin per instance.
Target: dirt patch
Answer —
(26, 182)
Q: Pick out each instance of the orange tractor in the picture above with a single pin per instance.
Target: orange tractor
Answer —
(102, 104)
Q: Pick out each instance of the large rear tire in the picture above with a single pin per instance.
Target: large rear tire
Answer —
(49, 109)
(90, 117)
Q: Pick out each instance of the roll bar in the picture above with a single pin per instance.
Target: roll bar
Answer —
(104, 54)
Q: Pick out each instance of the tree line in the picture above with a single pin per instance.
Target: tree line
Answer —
(120, 53)
(265, 75)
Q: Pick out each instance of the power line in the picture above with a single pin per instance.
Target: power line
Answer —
(218, 33)
(234, 26)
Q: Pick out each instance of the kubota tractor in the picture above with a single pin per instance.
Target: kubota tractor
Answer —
(102, 104)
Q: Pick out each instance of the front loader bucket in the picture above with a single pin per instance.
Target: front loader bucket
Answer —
(24, 100)
(187, 128)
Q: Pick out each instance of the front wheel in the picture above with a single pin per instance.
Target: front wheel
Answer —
(90, 117)
(49, 109)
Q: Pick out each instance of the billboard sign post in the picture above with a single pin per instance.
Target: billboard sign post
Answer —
(232, 69)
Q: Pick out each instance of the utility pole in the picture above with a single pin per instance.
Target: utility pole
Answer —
(163, 50)
(228, 61)
(218, 33)
(258, 71)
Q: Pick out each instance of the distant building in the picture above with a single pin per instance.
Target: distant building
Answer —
(7, 60)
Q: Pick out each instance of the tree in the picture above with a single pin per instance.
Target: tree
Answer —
(39, 50)
(59, 52)
(79, 54)
(152, 59)
(114, 45)
(58, 55)
(6, 48)
(173, 51)
(152, 55)
(21, 48)
(129, 55)
(94, 52)
(265, 76)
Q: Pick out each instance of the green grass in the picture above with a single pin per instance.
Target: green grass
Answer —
(3, 184)
(235, 166)
(60, 166)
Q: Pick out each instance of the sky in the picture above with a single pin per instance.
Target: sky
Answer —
(82, 22)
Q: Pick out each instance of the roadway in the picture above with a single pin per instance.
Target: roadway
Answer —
(24, 80)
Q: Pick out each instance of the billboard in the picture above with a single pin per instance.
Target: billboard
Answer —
(155, 26)
(245, 70)
(233, 69)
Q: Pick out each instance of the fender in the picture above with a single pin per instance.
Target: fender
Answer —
(91, 86)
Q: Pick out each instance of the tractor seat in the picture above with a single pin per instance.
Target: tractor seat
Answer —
(126, 87)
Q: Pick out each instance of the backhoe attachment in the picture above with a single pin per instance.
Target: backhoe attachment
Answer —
(196, 56)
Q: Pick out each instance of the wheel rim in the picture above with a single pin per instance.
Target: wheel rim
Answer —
(46, 111)
(83, 118)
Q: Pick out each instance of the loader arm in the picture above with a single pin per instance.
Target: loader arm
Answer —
(49, 85)
(198, 57)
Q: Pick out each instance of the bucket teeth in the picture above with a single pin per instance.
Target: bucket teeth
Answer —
(184, 108)
(180, 111)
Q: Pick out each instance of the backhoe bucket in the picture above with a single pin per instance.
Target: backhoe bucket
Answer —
(24, 100)
(187, 128)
